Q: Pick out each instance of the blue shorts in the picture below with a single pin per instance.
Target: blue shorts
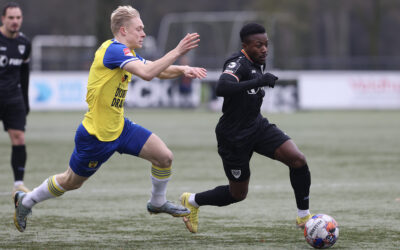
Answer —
(89, 153)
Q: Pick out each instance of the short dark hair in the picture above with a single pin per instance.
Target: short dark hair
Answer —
(251, 29)
(10, 5)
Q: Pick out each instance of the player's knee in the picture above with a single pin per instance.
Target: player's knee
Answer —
(17, 137)
(239, 195)
(299, 161)
(73, 186)
(166, 159)
(69, 185)
(67, 182)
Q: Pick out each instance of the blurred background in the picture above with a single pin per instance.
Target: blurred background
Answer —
(349, 47)
(338, 97)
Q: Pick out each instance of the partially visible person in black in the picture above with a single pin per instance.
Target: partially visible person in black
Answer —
(15, 51)
(242, 130)
(184, 85)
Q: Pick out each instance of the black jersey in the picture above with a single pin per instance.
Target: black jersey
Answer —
(13, 53)
(241, 112)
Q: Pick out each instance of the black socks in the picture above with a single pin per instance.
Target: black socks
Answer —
(219, 196)
(300, 179)
(18, 159)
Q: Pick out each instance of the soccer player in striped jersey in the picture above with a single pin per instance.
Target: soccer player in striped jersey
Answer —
(105, 130)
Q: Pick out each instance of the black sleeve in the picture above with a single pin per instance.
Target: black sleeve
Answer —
(28, 49)
(228, 85)
(25, 84)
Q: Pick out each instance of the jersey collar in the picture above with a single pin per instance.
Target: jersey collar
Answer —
(248, 58)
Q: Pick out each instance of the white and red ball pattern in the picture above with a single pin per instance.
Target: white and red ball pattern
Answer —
(321, 231)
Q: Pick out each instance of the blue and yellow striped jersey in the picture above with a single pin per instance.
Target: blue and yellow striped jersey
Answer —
(106, 90)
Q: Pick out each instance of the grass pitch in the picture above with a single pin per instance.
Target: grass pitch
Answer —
(353, 157)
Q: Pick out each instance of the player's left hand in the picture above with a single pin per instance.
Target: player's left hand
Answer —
(194, 72)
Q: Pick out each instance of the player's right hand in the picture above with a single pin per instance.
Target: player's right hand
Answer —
(194, 72)
(268, 79)
(190, 41)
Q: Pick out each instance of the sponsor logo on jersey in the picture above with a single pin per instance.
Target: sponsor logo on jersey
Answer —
(119, 98)
(253, 71)
(21, 48)
(15, 61)
(3, 48)
(3, 60)
(236, 173)
(128, 52)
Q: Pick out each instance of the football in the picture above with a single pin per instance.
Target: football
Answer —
(321, 231)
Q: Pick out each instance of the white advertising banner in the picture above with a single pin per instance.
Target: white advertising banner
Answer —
(349, 90)
(56, 91)
(314, 90)
(163, 93)
(67, 91)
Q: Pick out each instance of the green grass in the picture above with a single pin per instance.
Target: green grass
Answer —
(354, 157)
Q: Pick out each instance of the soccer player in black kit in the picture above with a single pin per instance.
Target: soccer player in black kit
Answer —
(15, 49)
(242, 130)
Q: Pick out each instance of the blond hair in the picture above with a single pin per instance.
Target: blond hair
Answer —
(121, 16)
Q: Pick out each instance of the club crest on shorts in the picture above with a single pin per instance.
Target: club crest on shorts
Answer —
(93, 164)
(236, 173)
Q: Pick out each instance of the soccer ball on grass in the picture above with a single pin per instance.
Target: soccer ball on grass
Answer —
(321, 231)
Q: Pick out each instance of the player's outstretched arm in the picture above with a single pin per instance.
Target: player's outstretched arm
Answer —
(149, 71)
(174, 71)
(228, 84)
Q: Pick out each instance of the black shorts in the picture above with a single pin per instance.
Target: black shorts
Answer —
(13, 115)
(236, 155)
